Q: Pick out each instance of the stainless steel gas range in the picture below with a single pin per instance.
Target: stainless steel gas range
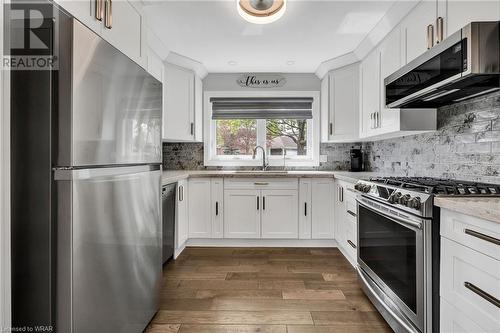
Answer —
(398, 246)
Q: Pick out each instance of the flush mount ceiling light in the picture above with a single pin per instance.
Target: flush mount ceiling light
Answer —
(261, 11)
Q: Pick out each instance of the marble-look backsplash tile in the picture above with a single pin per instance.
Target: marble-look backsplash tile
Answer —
(466, 146)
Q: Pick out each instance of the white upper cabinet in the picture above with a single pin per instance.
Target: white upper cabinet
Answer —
(457, 14)
(340, 105)
(414, 28)
(124, 30)
(182, 114)
(370, 93)
(118, 22)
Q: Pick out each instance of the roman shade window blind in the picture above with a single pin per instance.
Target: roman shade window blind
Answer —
(261, 108)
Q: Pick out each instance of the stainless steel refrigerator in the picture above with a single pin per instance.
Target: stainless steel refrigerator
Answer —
(86, 182)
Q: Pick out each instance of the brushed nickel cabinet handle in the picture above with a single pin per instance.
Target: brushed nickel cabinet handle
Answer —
(108, 14)
(482, 236)
(261, 183)
(98, 10)
(430, 36)
(181, 193)
(483, 294)
(351, 213)
(351, 243)
(439, 30)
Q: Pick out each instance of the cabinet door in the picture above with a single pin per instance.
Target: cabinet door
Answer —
(305, 209)
(217, 203)
(370, 79)
(198, 109)
(84, 11)
(414, 28)
(325, 108)
(125, 32)
(390, 61)
(344, 104)
(182, 213)
(155, 65)
(242, 213)
(458, 14)
(280, 214)
(323, 201)
(200, 208)
(178, 111)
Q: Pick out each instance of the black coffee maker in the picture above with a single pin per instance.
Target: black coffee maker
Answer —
(357, 164)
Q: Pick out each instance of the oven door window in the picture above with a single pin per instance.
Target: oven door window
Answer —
(389, 250)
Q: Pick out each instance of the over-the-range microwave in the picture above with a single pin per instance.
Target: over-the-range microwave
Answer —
(464, 65)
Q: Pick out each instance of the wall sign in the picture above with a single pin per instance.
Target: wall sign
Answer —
(261, 81)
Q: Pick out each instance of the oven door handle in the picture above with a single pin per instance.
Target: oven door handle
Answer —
(409, 223)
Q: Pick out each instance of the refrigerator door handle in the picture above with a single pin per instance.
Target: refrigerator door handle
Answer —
(74, 174)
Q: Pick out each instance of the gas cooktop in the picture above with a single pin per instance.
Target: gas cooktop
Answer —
(415, 194)
(438, 186)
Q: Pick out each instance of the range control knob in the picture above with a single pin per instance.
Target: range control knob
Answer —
(394, 198)
(403, 200)
(415, 203)
(367, 188)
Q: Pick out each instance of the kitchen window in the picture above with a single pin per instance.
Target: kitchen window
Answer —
(285, 124)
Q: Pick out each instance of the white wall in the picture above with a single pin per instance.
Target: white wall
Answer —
(4, 190)
(227, 82)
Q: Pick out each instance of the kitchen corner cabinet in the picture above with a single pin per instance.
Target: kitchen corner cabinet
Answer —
(182, 114)
(123, 31)
(316, 209)
(377, 121)
(340, 105)
(205, 207)
(182, 217)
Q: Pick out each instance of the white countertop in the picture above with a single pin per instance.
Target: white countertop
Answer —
(172, 176)
(485, 208)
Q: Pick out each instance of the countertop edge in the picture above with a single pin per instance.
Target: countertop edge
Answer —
(483, 208)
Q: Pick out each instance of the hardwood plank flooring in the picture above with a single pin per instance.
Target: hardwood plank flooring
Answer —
(263, 290)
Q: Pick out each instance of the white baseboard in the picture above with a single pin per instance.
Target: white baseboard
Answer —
(263, 242)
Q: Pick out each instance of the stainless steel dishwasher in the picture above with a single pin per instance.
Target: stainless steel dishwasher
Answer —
(168, 217)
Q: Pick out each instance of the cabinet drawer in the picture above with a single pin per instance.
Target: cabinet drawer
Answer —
(473, 232)
(466, 275)
(262, 183)
(455, 321)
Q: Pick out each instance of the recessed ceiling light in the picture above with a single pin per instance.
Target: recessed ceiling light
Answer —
(261, 11)
(232, 63)
(290, 62)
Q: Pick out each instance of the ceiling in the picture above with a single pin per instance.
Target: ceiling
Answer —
(309, 33)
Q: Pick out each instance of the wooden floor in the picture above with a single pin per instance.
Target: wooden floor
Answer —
(276, 290)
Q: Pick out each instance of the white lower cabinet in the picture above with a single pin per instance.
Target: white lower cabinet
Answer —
(200, 208)
(279, 214)
(316, 208)
(182, 216)
(470, 274)
(242, 213)
(346, 220)
(205, 207)
(322, 209)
